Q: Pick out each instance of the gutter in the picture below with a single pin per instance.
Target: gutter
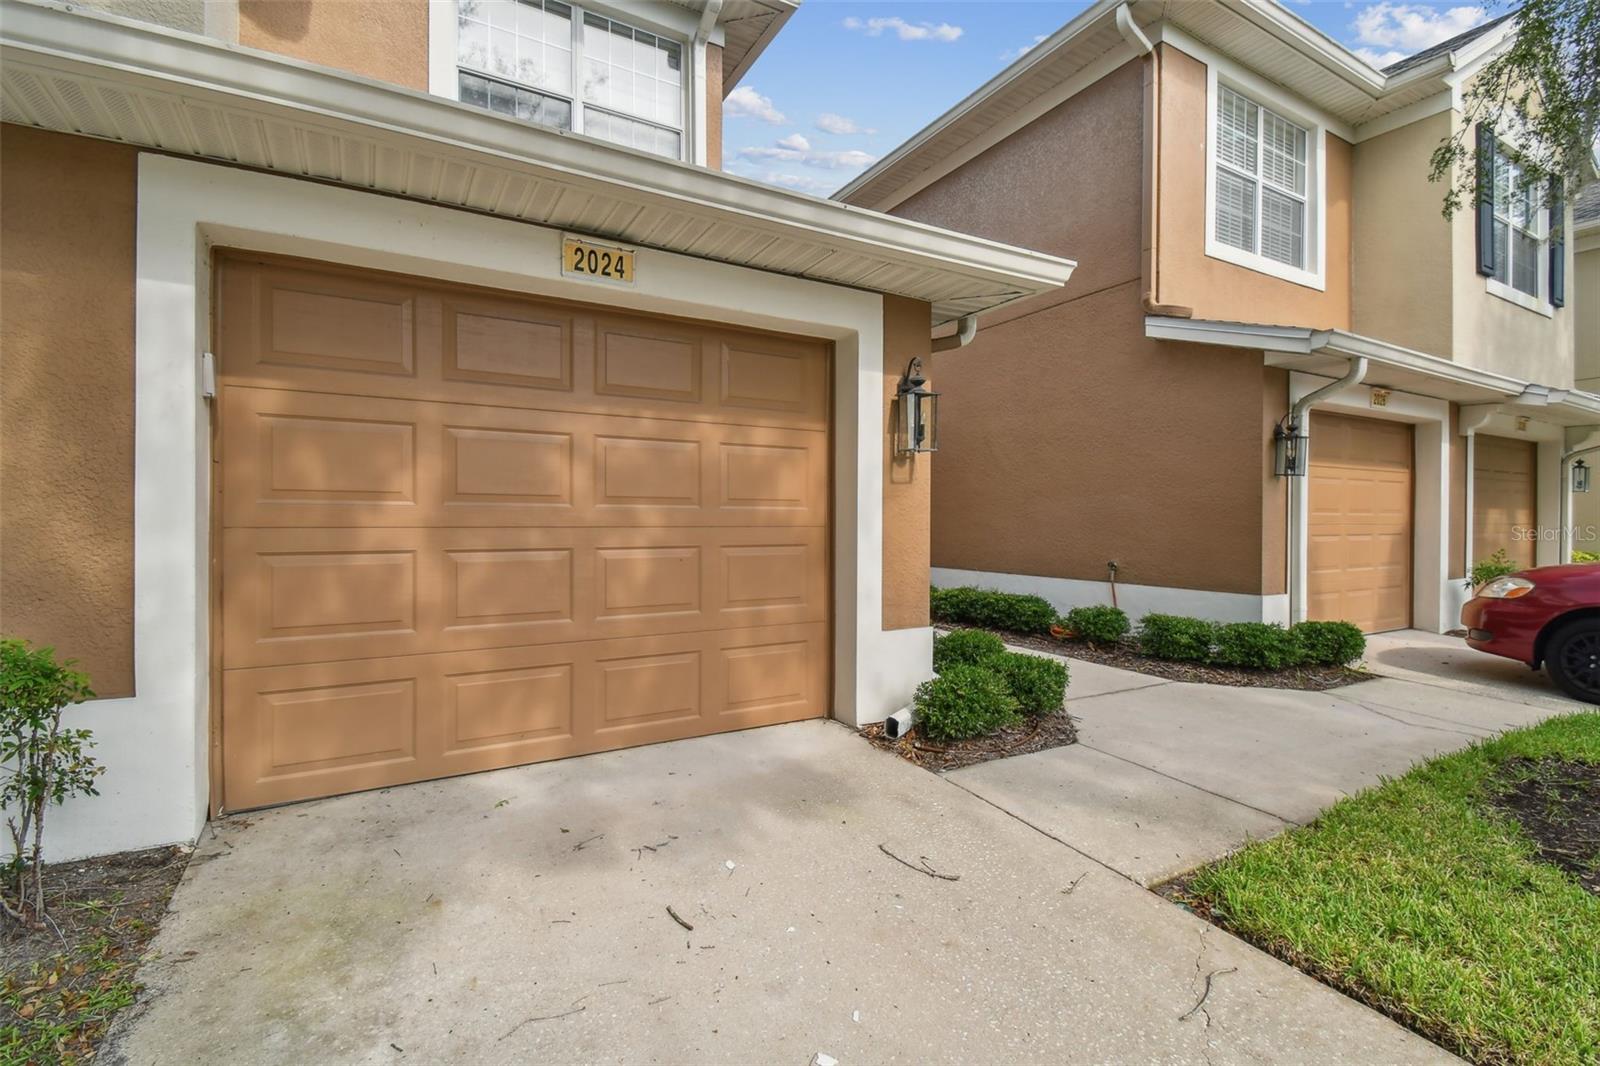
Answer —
(966, 329)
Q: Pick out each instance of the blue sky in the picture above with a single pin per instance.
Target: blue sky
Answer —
(846, 81)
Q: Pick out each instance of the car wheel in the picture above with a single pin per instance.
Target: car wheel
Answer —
(1573, 659)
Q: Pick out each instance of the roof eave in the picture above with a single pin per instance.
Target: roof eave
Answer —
(786, 10)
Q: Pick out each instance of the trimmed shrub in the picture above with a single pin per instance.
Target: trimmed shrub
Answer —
(1039, 685)
(1100, 623)
(1328, 643)
(964, 701)
(1172, 636)
(1256, 645)
(1486, 570)
(967, 647)
(1012, 611)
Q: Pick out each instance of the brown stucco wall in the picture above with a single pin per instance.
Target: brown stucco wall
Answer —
(382, 39)
(714, 106)
(1458, 495)
(66, 398)
(907, 479)
(1215, 289)
(1274, 489)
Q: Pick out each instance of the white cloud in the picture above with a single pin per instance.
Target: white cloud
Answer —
(1017, 53)
(797, 182)
(796, 141)
(828, 122)
(745, 102)
(1388, 32)
(786, 151)
(906, 31)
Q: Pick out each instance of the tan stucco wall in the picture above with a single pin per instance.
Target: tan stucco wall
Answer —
(714, 106)
(1402, 247)
(1186, 276)
(906, 479)
(1067, 439)
(1458, 495)
(1274, 489)
(66, 398)
(1584, 299)
(382, 39)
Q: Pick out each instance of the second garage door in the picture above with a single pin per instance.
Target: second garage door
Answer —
(1359, 553)
(1503, 498)
(463, 530)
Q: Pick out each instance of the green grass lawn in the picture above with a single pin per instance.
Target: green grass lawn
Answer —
(1421, 899)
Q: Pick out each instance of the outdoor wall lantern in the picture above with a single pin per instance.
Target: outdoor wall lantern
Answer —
(1580, 476)
(916, 413)
(1290, 450)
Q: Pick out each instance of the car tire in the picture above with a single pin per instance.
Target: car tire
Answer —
(1572, 656)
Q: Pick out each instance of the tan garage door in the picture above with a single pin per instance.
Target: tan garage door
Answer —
(1503, 497)
(462, 530)
(1359, 554)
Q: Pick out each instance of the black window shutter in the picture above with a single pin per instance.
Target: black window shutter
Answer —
(1558, 245)
(1485, 184)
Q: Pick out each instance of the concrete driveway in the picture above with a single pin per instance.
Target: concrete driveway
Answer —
(522, 916)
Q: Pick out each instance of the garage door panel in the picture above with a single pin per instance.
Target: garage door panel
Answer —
(464, 530)
(340, 331)
(313, 459)
(1359, 541)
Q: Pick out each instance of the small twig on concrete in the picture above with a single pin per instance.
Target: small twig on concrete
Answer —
(544, 1018)
(1212, 976)
(679, 918)
(1068, 890)
(580, 845)
(922, 869)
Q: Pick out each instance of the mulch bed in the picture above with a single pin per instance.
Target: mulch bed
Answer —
(1125, 655)
(1557, 803)
(1034, 734)
(61, 985)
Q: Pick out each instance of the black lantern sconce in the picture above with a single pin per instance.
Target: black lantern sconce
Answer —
(1580, 476)
(916, 413)
(1290, 449)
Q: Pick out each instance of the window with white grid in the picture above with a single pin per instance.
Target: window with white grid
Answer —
(559, 65)
(1521, 234)
(1261, 194)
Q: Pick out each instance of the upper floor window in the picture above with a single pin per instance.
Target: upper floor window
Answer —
(558, 65)
(1521, 250)
(1262, 177)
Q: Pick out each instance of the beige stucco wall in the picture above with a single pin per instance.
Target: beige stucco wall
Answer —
(1067, 439)
(1213, 288)
(186, 15)
(66, 399)
(382, 39)
(1584, 299)
(1403, 264)
(907, 480)
(714, 106)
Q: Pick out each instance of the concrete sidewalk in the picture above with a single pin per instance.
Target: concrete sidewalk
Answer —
(522, 915)
(1169, 775)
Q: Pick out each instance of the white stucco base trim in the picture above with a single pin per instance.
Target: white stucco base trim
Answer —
(156, 744)
(1137, 600)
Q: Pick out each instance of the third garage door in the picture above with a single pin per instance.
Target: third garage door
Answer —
(463, 530)
(1359, 553)
(1503, 498)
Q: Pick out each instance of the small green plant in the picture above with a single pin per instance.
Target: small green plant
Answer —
(1497, 565)
(1256, 646)
(968, 647)
(43, 763)
(1175, 637)
(1581, 556)
(1328, 643)
(1012, 611)
(1100, 624)
(964, 701)
(1038, 684)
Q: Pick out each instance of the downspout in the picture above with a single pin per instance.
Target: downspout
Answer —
(1298, 499)
(966, 329)
(697, 52)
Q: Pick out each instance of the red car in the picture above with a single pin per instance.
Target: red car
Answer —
(1548, 616)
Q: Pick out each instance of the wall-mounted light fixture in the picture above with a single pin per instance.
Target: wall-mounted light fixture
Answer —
(1291, 449)
(1580, 476)
(916, 413)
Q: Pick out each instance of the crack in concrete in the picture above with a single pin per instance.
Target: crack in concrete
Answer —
(1198, 788)
(1373, 709)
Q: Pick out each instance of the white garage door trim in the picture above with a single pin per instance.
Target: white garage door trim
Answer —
(1435, 599)
(156, 744)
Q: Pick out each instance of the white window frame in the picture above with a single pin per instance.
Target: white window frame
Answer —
(1314, 274)
(1540, 301)
(444, 68)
